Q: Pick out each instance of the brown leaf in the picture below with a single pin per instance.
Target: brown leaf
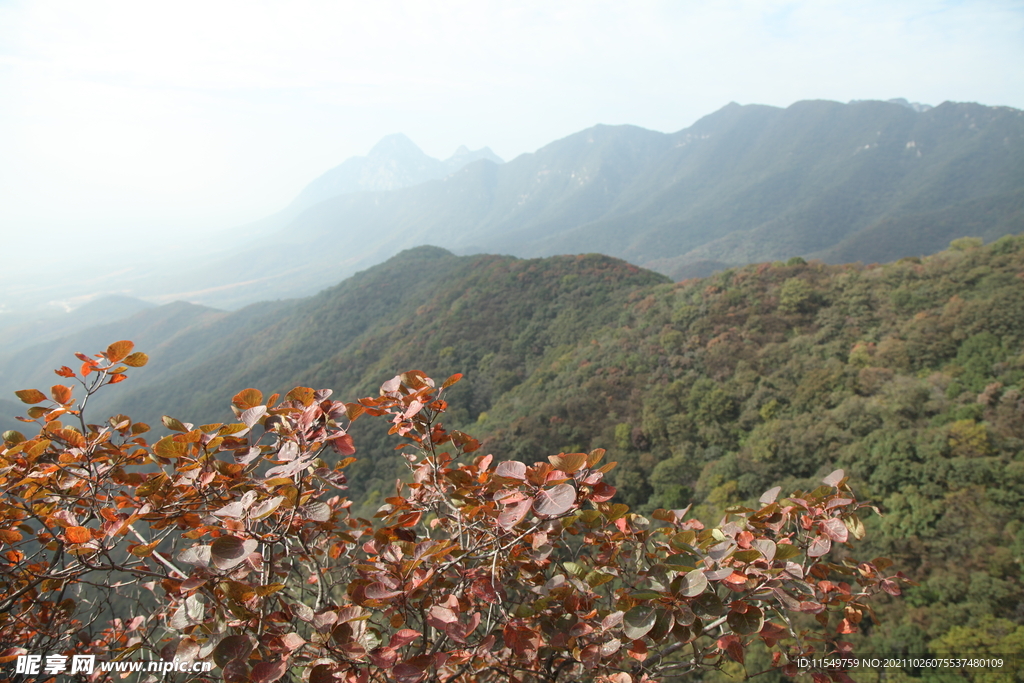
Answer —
(268, 672)
(228, 552)
(30, 396)
(732, 646)
(136, 360)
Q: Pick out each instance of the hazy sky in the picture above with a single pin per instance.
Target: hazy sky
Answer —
(142, 117)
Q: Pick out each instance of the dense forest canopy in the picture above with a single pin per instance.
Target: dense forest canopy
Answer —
(707, 392)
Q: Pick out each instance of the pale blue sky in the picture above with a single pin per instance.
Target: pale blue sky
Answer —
(143, 117)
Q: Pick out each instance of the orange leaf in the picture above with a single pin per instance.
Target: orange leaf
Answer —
(78, 534)
(114, 379)
(10, 535)
(65, 371)
(61, 394)
(303, 395)
(248, 398)
(119, 350)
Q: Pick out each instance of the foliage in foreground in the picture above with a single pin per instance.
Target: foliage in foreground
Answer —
(233, 543)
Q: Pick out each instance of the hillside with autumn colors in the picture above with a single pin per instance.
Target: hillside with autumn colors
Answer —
(909, 375)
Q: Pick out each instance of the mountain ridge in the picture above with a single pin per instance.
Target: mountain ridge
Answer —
(869, 180)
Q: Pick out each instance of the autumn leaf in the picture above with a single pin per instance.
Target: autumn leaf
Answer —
(30, 396)
(78, 534)
(555, 501)
(119, 350)
(229, 551)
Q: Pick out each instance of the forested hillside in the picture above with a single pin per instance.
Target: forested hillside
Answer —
(908, 375)
(707, 392)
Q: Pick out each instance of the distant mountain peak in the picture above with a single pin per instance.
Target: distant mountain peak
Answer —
(903, 102)
(916, 106)
(395, 145)
(393, 163)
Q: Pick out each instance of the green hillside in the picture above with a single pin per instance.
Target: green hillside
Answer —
(707, 392)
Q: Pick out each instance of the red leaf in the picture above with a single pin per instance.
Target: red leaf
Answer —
(602, 493)
(268, 672)
(322, 673)
(439, 617)
(510, 469)
(383, 657)
(65, 371)
(819, 546)
(637, 650)
(232, 648)
(591, 656)
(378, 591)
(835, 529)
(343, 444)
(555, 501)
(403, 637)
(293, 641)
(514, 513)
(732, 646)
(412, 670)
(772, 633)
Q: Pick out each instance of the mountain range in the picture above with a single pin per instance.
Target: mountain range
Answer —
(866, 181)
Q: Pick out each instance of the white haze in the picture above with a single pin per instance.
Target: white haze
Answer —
(136, 130)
